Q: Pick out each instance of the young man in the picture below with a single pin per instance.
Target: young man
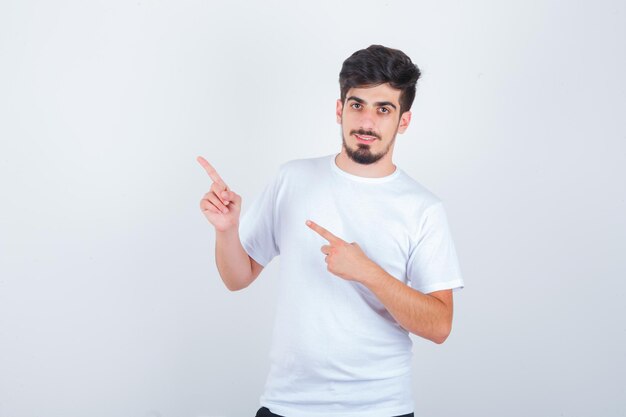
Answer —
(366, 256)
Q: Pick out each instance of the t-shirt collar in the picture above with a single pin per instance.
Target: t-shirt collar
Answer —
(376, 180)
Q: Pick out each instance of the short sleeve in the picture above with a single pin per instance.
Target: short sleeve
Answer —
(257, 231)
(433, 264)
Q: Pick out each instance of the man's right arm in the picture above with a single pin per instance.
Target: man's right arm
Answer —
(222, 207)
(235, 266)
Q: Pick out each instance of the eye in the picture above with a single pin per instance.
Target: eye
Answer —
(384, 110)
(355, 104)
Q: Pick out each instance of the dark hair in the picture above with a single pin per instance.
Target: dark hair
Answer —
(377, 65)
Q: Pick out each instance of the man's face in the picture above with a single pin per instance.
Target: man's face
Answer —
(370, 119)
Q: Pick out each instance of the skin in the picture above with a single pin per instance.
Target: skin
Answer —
(373, 111)
(222, 206)
(369, 112)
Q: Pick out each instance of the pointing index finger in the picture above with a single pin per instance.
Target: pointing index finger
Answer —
(212, 172)
(323, 232)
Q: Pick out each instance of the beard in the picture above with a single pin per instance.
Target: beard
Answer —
(362, 154)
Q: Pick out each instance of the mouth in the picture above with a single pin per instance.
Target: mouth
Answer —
(365, 138)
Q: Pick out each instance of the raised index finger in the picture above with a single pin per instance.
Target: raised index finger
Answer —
(323, 232)
(212, 172)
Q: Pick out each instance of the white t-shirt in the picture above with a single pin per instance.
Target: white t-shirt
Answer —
(336, 351)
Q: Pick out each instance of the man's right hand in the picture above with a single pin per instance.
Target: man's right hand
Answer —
(220, 205)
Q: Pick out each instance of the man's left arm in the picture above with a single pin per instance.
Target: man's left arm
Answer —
(426, 315)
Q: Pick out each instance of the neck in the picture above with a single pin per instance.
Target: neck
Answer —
(380, 168)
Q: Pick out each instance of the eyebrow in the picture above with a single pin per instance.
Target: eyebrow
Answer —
(378, 103)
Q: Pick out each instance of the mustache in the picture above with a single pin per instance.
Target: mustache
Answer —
(365, 133)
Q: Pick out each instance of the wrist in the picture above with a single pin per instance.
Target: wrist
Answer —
(230, 233)
(380, 281)
(372, 275)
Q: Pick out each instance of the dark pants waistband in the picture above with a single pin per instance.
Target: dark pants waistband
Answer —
(265, 412)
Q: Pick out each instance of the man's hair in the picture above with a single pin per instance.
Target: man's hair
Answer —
(377, 65)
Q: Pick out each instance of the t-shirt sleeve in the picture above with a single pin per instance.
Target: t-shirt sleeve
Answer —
(433, 264)
(257, 226)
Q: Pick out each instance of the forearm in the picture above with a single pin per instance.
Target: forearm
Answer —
(418, 313)
(233, 262)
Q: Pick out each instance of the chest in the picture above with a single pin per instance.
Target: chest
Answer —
(377, 220)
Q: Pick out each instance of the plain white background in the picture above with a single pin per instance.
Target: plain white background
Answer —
(110, 300)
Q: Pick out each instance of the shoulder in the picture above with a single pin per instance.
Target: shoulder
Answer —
(305, 163)
(303, 166)
(418, 196)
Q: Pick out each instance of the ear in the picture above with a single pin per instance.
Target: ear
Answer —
(405, 119)
(339, 110)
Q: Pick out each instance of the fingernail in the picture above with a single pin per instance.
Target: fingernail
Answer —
(308, 222)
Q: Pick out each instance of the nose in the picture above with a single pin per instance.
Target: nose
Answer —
(367, 120)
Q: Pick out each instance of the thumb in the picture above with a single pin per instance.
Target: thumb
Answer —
(230, 197)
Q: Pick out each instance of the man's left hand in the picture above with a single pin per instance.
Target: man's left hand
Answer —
(346, 260)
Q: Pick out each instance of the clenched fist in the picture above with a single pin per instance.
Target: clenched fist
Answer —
(220, 205)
